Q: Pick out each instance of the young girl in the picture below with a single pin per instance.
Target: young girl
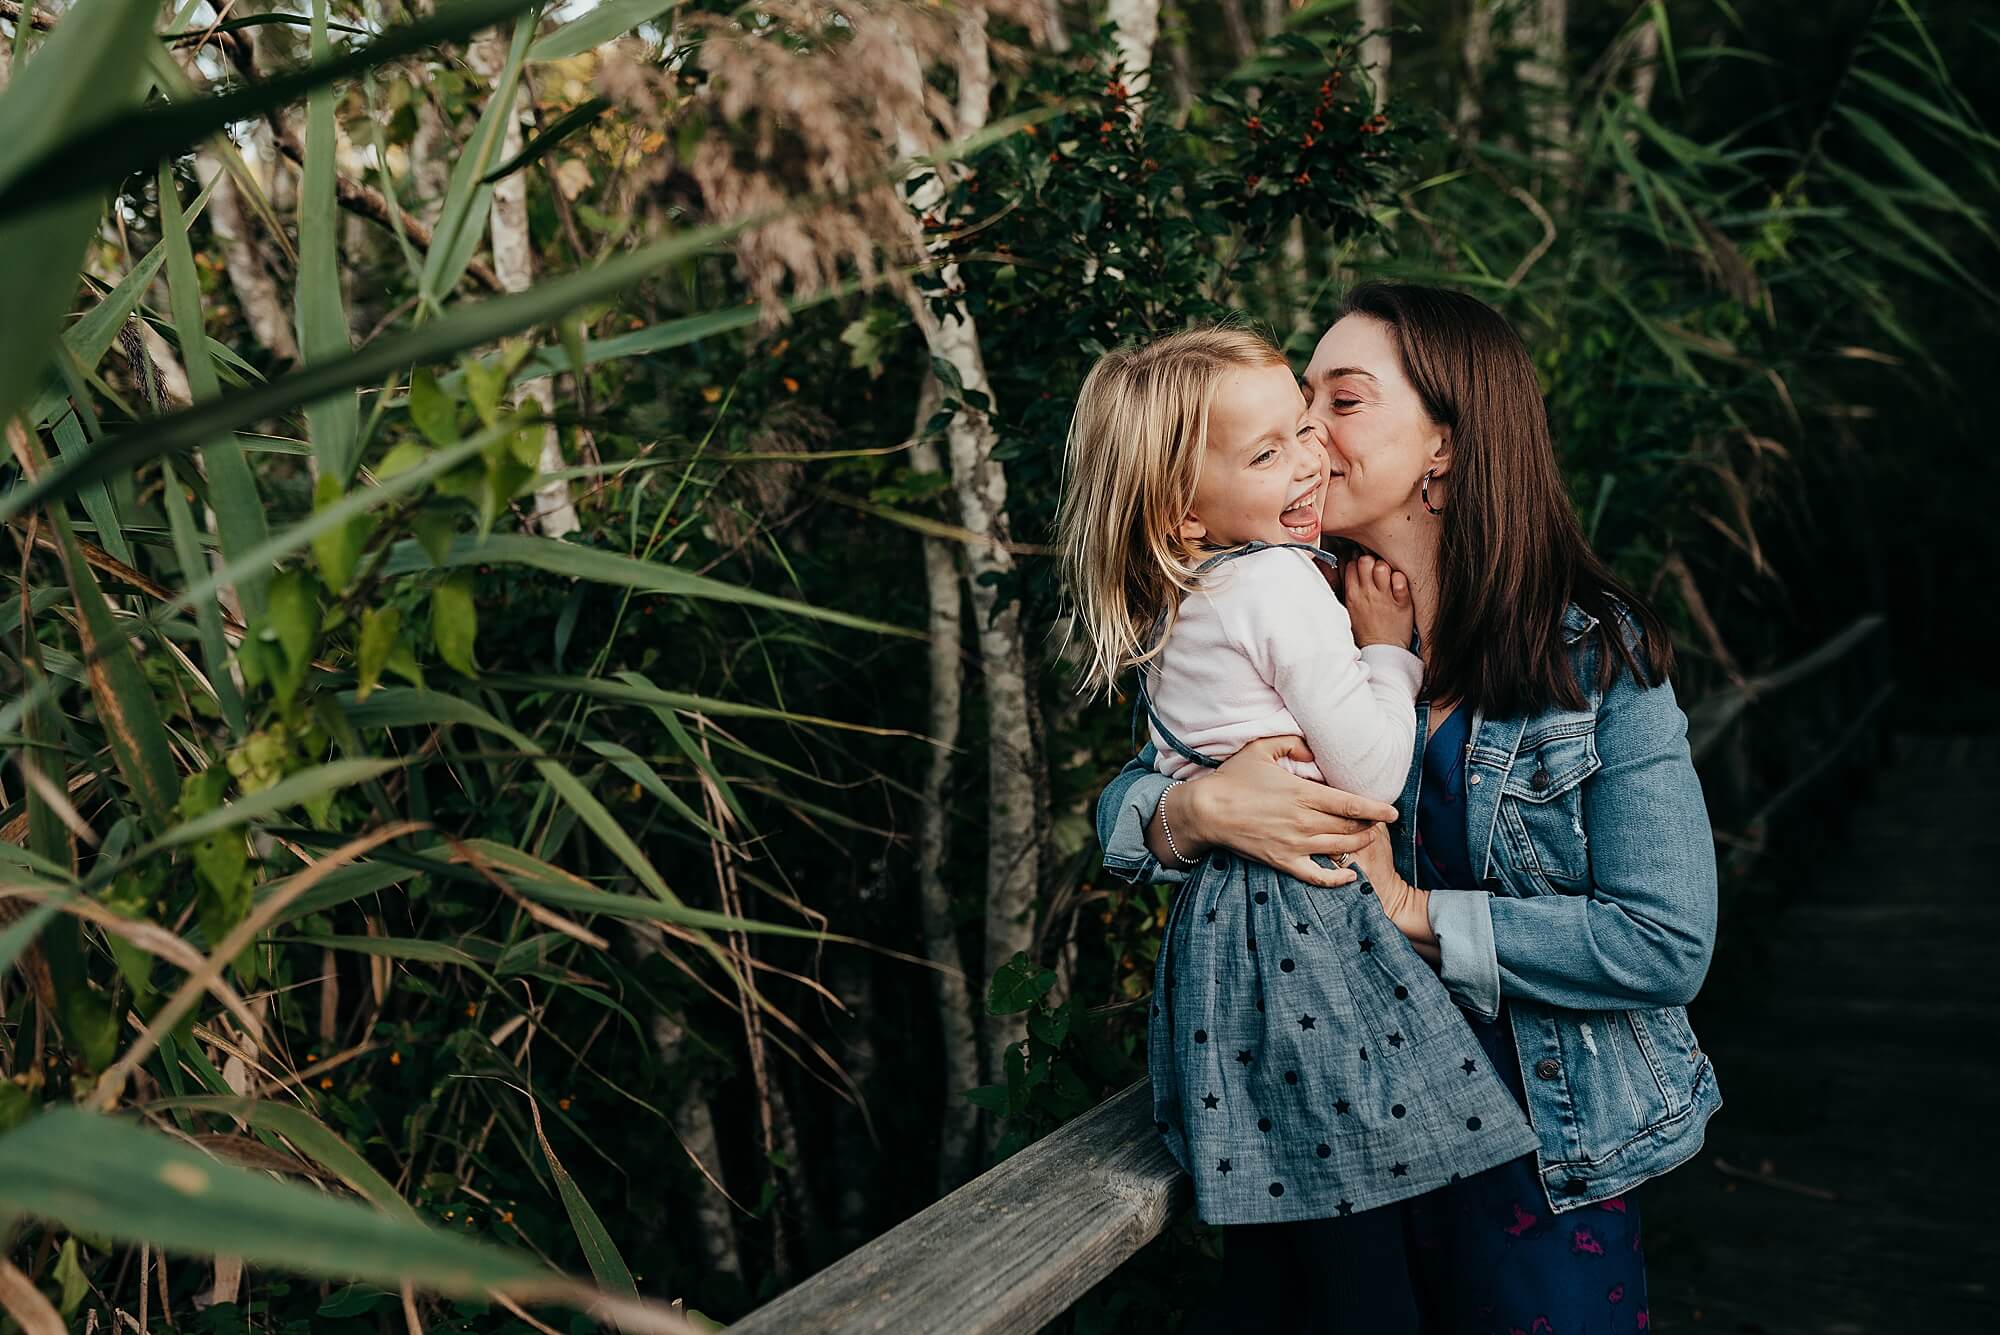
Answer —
(1306, 1064)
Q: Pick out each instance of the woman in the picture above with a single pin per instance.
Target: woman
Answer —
(1550, 853)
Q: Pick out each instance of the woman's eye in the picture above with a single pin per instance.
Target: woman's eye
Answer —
(1344, 404)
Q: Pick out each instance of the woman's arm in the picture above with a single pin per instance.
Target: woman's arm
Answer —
(1251, 805)
(1643, 933)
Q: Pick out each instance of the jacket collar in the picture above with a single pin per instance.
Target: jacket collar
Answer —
(1577, 623)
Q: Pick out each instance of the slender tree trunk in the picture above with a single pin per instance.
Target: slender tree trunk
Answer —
(805, 1231)
(256, 291)
(514, 262)
(1054, 35)
(1645, 58)
(1541, 28)
(715, 1224)
(1241, 40)
(1475, 51)
(1375, 50)
(1645, 63)
(853, 981)
(959, 1124)
(1013, 862)
(430, 159)
(1180, 66)
(1135, 28)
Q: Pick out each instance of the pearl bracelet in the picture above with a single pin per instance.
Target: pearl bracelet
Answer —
(1167, 830)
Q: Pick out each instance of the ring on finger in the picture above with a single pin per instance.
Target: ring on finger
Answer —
(1340, 859)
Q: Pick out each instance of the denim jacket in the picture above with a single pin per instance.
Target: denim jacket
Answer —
(1594, 916)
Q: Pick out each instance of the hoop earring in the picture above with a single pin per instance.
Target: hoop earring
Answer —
(1436, 510)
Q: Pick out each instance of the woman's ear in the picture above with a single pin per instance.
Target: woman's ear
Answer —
(1440, 460)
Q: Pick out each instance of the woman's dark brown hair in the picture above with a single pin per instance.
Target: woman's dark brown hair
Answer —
(1512, 556)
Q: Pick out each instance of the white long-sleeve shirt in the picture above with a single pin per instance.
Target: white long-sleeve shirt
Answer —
(1263, 648)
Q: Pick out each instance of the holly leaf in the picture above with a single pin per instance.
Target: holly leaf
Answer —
(432, 410)
(1052, 1026)
(1016, 985)
(379, 628)
(455, 621)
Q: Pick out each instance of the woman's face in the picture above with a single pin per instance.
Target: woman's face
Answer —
(1373, 424)
(1264, 473)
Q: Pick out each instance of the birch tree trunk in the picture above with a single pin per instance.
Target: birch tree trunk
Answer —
(1645, 76)
(1179, 69)
(1241, 39)
(959, 1123)
(1645, 64)
(1135, 27)
(430, 168)
(695, 1121)
(1054, 35)
(1475, 51)
(256, 291)
(1541, 27)
(514, 261)
(1375, 49)
(1013, 853)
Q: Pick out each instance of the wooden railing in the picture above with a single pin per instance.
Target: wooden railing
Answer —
(1010, 1250)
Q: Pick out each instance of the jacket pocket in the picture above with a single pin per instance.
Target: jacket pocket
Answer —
(1617, 1085)
(1542, 802)
(1659, 1037)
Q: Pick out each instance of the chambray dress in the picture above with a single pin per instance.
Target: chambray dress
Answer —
(1306, 1063)
(1484, 1256)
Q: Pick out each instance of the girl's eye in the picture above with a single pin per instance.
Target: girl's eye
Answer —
(1264, 457)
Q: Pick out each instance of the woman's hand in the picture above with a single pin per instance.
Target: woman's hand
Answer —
(1408, 907)
(1258, 808)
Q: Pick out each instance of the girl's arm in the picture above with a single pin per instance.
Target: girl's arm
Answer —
(1356, 707)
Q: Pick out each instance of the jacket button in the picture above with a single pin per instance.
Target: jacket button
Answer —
(1576, 1186)
(1548, 1068)
(1540, 781)
(1473, 780)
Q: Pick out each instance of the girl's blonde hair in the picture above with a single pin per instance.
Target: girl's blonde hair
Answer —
(1130, 467)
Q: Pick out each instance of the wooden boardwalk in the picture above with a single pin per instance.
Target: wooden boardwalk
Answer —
(1848, 1184)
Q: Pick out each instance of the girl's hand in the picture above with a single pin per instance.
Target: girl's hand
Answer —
(1408, 907)
(1378, 603)
(1256, 807)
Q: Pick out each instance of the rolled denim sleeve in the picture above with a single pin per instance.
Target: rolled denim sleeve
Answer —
(1642, 934)
(1123, 812)
(1462, 921)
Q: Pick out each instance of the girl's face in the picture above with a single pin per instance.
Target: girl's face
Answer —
(1264, 474)
(1373, 424)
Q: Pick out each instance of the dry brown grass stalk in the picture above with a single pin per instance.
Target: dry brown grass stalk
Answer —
(796, 105)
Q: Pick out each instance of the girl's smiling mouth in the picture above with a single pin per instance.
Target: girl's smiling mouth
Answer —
(1300, 517)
